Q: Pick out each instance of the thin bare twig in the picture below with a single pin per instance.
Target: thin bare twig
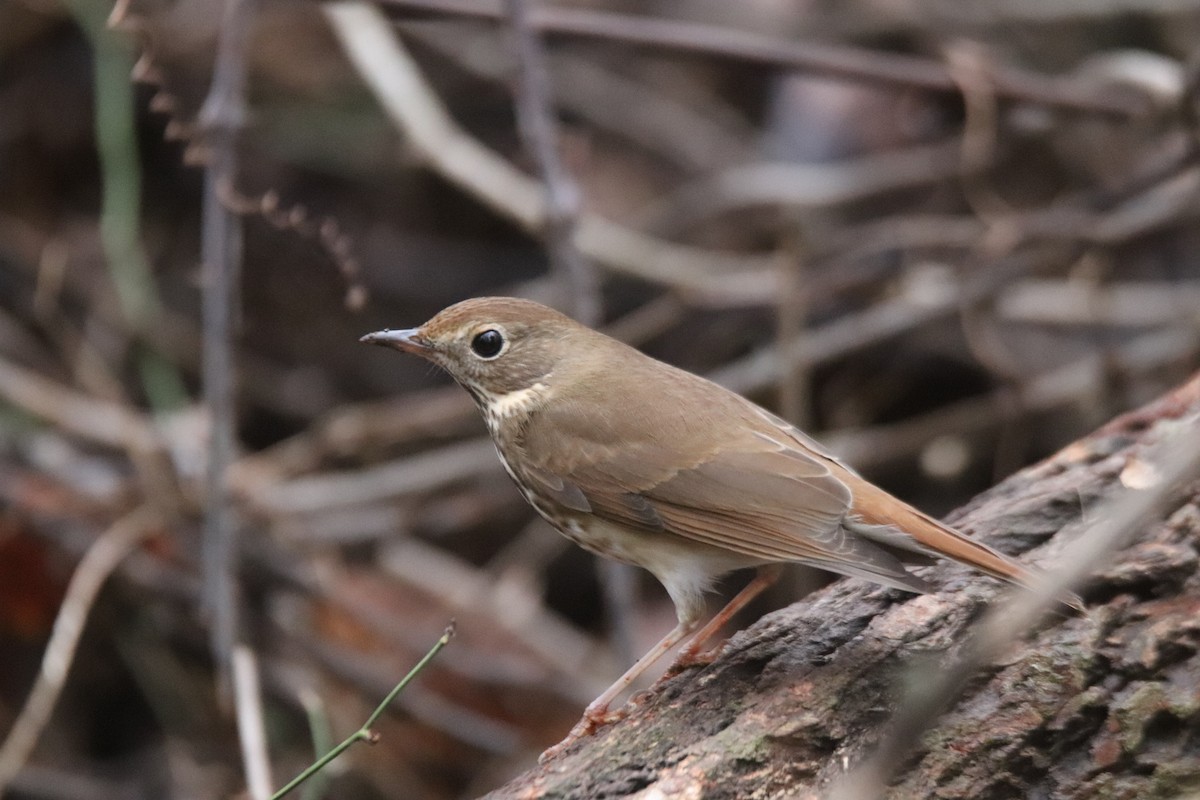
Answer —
(468, 590)
(90, 418)
(1168, 466)
(838, 61)
(222, 117)
(539, 128)
(252, 734)
(764, 367)
(535, 114)
(405, 476)
(796, 186)
(968, 62)
(326, 232)
(296, 218)
(702, 275)
(1124, 304)
(697, 134)
(791, 318)
(1074, 383)
(104, 556)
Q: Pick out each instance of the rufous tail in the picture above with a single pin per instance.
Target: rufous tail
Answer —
(875, 506)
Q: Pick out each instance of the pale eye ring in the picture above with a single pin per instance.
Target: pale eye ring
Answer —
(488, 344)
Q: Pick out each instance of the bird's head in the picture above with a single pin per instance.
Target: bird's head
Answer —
(493, 346)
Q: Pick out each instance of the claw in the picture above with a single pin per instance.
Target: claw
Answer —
(686, 659)
(593, 720)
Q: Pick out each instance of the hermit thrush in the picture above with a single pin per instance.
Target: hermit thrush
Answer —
(636, 460)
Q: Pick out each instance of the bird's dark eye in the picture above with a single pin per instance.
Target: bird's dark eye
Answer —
(487, 344)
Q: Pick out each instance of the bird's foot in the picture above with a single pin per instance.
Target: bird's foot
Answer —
(593, 720)
(687, 659)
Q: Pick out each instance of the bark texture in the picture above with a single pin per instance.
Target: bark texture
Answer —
(1102, 706)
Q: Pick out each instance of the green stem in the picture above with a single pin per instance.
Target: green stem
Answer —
(121, 201)
(322, 740)
(365, 733)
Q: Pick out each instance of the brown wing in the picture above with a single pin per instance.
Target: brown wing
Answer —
(725, 476)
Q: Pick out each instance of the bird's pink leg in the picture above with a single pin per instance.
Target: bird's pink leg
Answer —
(763, 580)
(597, 714)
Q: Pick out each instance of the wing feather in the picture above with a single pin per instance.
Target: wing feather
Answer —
(757, 491)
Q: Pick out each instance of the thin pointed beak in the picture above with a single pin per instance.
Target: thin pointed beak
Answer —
(408, 340)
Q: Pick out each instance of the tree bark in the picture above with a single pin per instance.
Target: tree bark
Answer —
(1105, 705)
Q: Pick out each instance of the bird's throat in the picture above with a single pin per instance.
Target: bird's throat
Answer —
(499, 409)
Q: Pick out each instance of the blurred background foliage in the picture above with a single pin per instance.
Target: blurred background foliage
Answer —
(945, 238)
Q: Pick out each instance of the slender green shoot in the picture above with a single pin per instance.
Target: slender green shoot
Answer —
(121, 200)
(365, 733)
(322, 742)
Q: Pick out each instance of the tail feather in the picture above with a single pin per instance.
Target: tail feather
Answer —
(906, 528)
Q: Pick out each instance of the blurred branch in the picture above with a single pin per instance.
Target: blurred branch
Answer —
(794, 186)
(1079, 382)
(36, 780)
(686, 131)
(837, 61)
(703, 276)
(792, 315)
(433, 709)
(536, 118)
(221, 119)
(414, 474)
(1169, 199)
(467, 590)
(1150, 480)
(1162, 193)
(293, 217)
(252, 733)
(89, 418)
(99, 421)
(1057, 12)
(915, 305)
(296, 218)
(1084, 302)
(431, 414)
(972, 71)
(102, 557)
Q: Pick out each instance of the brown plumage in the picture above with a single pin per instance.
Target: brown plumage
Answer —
(639, 461)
